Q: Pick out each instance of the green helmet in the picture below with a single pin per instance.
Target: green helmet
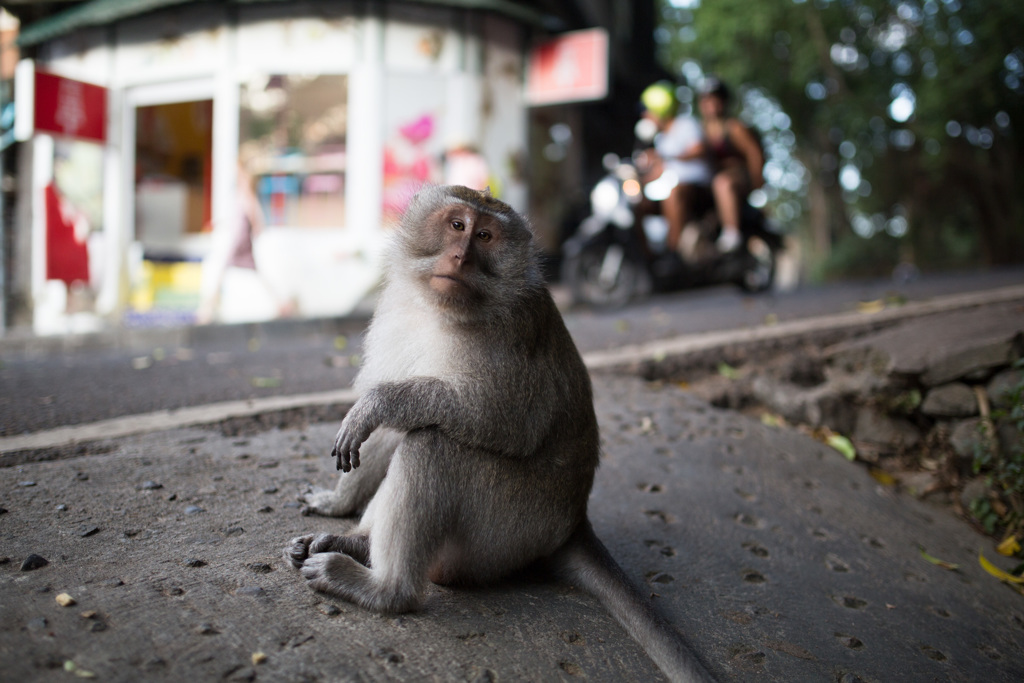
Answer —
(660, 100)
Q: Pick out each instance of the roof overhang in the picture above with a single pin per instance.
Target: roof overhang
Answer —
(104, 12)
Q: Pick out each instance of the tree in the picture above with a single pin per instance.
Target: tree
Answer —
(904, 113)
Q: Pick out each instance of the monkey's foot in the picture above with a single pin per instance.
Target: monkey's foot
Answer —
(303, 547)
(324, 502)
(332, 573)
(297, 550)
(340, 575)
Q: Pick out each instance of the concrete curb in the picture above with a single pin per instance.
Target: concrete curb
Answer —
(169, 419)
(629, 356)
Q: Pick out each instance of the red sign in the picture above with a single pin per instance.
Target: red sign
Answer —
(71, 108)
(571, 68)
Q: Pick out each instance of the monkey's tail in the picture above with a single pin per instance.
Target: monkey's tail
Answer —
(584, 561)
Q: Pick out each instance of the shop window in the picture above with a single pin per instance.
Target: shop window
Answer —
(173, 181)
(292, 140)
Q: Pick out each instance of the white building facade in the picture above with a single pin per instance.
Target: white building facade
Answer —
(333, 113)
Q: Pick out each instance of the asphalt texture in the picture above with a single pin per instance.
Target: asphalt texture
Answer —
(774, 556)
(157, 557)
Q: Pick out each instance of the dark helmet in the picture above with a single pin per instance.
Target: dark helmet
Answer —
(713, 85)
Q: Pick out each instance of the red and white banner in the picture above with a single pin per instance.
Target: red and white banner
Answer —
(59, 106)
(570, 68)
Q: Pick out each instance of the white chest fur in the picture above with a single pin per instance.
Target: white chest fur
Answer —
(406, 339)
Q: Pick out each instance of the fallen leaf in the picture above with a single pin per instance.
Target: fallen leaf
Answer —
(936, 561)
(772, 420)
(791, 649)
(871, 306)
(728, 371)
(999, 507)
(843, 445)
(997, 572)
(882, 477)
(1009, 547)
(341, 342)
(259, 657)
(65, 600)
(266, 382)
(72, 668)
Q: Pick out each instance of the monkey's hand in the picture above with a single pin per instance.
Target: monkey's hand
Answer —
(355, 429)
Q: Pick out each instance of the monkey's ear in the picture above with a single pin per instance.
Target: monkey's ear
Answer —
(487, 191)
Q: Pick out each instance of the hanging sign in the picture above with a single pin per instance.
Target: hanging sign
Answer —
(59, 106)
(570, 68)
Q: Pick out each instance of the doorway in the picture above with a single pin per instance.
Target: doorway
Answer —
(173, 186)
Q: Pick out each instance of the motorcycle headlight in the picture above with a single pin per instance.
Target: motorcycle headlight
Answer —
(605, 196)
(646, 130)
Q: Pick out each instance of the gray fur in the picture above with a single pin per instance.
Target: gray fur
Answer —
(474, 441)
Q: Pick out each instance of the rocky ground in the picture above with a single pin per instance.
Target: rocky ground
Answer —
(914, 400)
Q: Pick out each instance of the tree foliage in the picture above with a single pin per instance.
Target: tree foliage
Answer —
(907, 114)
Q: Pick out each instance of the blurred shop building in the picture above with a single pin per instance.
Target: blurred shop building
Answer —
(177, 162)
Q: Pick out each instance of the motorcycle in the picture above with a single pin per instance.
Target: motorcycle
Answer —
(618, 255)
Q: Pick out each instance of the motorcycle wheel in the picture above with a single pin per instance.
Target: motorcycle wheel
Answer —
(605, 276)
(759, 274)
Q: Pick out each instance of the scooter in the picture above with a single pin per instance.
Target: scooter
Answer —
(618, 255)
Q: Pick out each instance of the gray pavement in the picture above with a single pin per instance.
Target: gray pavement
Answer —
(777, 558)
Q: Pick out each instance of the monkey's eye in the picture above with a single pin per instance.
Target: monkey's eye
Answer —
(483, 236)
(458, 225)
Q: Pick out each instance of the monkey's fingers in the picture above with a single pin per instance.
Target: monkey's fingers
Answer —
(347, 450)
(298, 550)
(342, 463)
(344, 450)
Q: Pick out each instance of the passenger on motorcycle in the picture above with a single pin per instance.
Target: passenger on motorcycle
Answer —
(738, 160)
(677, 168)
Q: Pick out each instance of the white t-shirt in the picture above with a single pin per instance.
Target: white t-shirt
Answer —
(683, 134)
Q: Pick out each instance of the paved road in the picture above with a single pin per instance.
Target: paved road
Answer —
(777, 558)
(41, 391)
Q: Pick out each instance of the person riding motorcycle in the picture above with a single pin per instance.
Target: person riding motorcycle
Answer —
(738, 160)
(652, 226)
(676, 169)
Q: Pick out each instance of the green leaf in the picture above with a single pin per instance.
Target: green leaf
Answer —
(728, 371)
(936, 561)
(843, 445)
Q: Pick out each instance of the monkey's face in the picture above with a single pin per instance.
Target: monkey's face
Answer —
(464, 243)
(467, 248)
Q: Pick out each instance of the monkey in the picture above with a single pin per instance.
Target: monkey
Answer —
(472, 447)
